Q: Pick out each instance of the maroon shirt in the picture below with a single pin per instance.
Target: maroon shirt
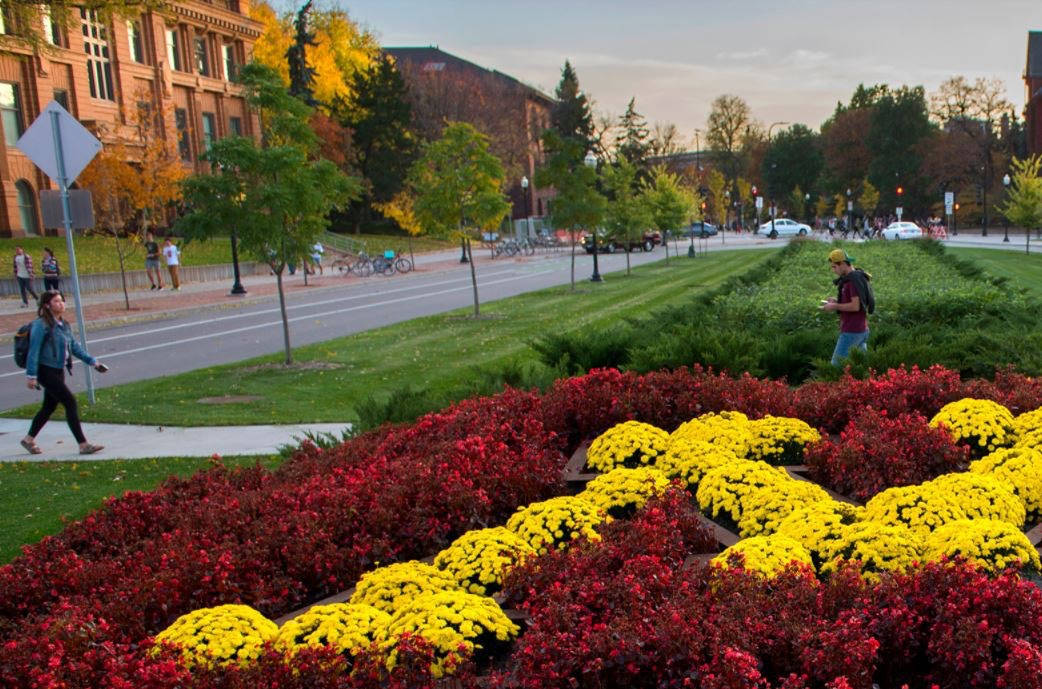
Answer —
(851, 321)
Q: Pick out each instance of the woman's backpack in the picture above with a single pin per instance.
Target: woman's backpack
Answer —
(21, 343)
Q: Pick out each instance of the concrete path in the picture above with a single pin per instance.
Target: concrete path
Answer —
(135, 442)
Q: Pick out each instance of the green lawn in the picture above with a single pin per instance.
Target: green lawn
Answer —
(1022, 270)
(39, 496)
(434, 354)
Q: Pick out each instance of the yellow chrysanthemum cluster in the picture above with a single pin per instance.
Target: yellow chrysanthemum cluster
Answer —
(479, 559)
(450, 621)
(878, 547)
(1031, 439)
(818, 526)
(224, 635)
(990, 544)
(947, 498)
(620, 492)
(551, 523)
(1020, 469)
(764, 509)
(727, 430)
(630, 444)
(982, 424)
(385, 587)
(724, 489)
(1027, 422)
(779, 439)
(767, 555)
(688, 459)
(349, 628)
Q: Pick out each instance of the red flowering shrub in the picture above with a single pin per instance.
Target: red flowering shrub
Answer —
(876, 451)
(1017, 392)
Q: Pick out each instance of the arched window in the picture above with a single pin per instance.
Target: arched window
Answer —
(27, 207)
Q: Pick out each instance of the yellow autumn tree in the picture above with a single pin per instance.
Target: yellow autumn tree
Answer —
(400, 209)
(342, 49)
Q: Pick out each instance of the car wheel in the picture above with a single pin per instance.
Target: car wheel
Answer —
(590, 250)
(773, 234)
(803, 232)
(649, 245)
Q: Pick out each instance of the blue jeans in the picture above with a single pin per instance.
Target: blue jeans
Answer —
(847, 342)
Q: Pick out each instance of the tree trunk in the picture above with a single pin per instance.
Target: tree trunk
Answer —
(282, 310)
(628, 251)
(572, 233)
(665, 245)
(473, 277)
(123, 272)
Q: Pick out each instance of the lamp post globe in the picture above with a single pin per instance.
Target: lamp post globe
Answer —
(1005, 220)
(590, 161)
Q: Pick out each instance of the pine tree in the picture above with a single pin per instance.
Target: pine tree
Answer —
(632, 140)
(571, 117)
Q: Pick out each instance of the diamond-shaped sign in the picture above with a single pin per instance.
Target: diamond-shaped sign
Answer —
(40, 144)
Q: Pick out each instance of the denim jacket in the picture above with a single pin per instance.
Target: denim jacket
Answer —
(52, 351)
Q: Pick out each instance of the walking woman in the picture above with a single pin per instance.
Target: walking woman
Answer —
(51, 347)
(51, 271)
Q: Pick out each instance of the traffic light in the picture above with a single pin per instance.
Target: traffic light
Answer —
(703, 205)
(900, 191)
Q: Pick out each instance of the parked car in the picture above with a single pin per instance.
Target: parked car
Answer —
(608, 245)
(701, 229)
(902, 230)
(783, 227)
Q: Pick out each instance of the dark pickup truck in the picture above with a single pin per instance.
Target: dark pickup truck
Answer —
(647, 242)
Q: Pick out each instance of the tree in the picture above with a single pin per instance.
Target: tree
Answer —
(457, 184)
(134, 181)
(793, 160)
(717, 185)
(301, 74)
(571, 117)
(869, 199)
(401, 209)
(631, 142)
(665, 140)
(729, 120)
(628, 212)
(797, 203)
(577, 204)
(276, 196)
(846, 154)
(670, 204)
(29, 22)
(383, 146)
(1024, 199)
(899, 128)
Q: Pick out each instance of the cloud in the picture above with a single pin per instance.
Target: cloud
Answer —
(740, 56)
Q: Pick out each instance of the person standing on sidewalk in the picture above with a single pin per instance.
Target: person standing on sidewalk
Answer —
(51, 347)
(23, 272)
(173, 262)
(155, 275)
(51, 271)
(316, 257)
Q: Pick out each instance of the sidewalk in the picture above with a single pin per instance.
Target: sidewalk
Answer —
(136, 442)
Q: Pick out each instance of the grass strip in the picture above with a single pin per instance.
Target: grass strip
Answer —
(41, 496)
(1020, 270)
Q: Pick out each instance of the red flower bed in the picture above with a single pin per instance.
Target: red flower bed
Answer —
(75, 608)
(875, 452)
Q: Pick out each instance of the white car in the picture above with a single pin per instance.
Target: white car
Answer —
(902, 230)
(784, 227)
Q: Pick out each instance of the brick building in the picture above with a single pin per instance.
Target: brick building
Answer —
(181, 62)
(1033, 97)
(513, 114)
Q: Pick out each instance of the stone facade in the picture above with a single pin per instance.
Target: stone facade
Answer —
(181, 61)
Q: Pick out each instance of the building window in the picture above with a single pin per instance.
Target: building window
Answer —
(235, 126)
(137, 41)
(61, 97)
(209, 130)
(99, 65)
(173, 52)
(52, 31)
(10, 113)
(231, 65)
(27, 206)
(202, 60)
(181, 122)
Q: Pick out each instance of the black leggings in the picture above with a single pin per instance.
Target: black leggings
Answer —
(55, 391)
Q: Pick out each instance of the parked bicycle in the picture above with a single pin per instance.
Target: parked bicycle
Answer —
(513, 247)
(391, 263)
(362, 265)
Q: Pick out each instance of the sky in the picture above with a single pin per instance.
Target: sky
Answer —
(790, 60)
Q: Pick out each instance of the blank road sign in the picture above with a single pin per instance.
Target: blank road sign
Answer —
(79, 146)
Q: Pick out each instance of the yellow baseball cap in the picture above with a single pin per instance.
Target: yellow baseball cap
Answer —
(839, 256)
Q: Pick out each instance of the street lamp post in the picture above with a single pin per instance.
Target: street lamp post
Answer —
(984, 197)
(237, 287)
(590, 161)
(524, 202)
(850, 212)
(1005, 220)
(806, 206)
(727, 207)
(773, 125)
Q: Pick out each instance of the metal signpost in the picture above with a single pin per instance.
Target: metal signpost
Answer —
(60, 146)
(949, 205)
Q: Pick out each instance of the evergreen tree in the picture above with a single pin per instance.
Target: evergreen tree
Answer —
(632, 141)
(571, 117)
(301, 75)
(384, 147)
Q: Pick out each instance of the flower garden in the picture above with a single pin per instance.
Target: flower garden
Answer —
(720, 532)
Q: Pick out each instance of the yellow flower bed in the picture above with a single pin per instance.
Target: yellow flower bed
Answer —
(688, 459)
(1027, 422)
(224, 635)
(1031, 439)
(767, 555)
(878, 547)
(723, 489)
(622, 491)
(630, 444)
(764, 509)
(990, 544)
(727, 430)
(453, 622)
(349, 628)
(780, 439)
(551, 523)
(947, 498)
(818, 525)
(1020, 468)
(982, 424)
(385, 588)
(479, 559)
